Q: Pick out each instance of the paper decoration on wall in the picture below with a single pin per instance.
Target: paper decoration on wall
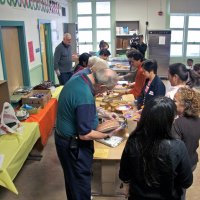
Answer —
(31, 51)
(47, 6)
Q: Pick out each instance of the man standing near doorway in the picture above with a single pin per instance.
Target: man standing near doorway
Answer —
(63, 59)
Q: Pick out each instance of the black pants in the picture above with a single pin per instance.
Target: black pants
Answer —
(76, 164)
(64, 77)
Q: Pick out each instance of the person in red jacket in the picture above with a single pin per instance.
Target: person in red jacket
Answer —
(135, 60)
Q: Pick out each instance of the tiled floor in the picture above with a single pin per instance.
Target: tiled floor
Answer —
(43, 180)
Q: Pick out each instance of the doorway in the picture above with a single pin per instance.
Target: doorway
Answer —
(46, 50)
(14, 56)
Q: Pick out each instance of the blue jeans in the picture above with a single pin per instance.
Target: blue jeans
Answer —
(64, 77)
(77, 165)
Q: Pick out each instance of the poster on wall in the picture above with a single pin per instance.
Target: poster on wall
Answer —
(31, 52)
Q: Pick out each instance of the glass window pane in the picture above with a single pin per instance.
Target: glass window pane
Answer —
(193, 50)
(103, 22)
(103, 35)
(85, 48)
(176, 50)
(177, 36)
(84, 8)
(193, 36)
(176, 21)
(84, 22)
(103, 8)
(85, 36)
(194, 22)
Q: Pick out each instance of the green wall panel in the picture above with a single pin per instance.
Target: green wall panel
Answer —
(36, 75)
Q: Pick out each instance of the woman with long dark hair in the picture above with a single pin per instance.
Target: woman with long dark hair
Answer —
(180, 76)
(83, 62)
(154, 165)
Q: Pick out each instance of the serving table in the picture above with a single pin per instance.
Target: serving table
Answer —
(109, 158)
(46, 119)
(14, 149)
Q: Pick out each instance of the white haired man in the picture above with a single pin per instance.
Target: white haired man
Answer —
(76, 129)
(63, 59)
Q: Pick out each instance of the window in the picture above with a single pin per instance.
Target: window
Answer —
(94, 24)
(185, 38)
(84, 8)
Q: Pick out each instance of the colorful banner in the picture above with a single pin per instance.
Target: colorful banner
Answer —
(47, 6)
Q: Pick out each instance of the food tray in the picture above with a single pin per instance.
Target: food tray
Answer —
(108, 125)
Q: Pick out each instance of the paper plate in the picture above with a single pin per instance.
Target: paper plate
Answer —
(123, 107)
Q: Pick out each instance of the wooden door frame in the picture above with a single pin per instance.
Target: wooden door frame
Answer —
(22, 47)
(49, 51)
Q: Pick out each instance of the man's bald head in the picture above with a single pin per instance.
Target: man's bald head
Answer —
(67, 38)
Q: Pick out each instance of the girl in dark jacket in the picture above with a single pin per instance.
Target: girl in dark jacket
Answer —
(154, 165)
(153, 86)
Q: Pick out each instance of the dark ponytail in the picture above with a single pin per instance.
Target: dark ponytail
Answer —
(180, 70)
(193, 79)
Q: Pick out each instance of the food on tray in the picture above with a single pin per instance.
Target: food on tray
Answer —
(119, 87)
(113, 105)
(108, 125)
(118, 65)
(99, 98)
(128, 98)
(132, 115)
(113, 95)
(104, 105)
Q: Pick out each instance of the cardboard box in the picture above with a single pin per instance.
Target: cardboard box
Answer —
(36, 102)
(4, 94)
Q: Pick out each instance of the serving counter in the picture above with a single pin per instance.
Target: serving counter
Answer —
(109, 159)
(56, 93)
(46, 119)
(14, 149)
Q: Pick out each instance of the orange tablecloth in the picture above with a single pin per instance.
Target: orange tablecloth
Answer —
(46, 119)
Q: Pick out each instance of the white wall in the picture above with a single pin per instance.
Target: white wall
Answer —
(30, 18)
(142, 11)
(185, 6)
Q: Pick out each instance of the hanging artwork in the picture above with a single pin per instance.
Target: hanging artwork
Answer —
(31, 52)
(47, 6)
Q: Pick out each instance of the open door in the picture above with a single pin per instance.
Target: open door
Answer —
(12, 57)
(43, 52)
(46, 49)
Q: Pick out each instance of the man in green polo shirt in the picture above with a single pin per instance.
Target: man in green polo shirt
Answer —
(76, 129)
